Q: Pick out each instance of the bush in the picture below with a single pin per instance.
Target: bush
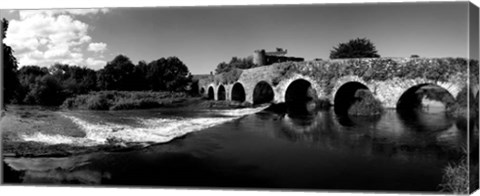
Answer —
(456, 177)
(228, 77)
(98, 102)
(123, 100)
(367, 106)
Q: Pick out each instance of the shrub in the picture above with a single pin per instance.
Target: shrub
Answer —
(122, 100)
(366, 106)
(456, 177)
(98, 102)
(228, 77)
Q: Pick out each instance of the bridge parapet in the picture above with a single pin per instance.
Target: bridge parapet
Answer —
(387, 78)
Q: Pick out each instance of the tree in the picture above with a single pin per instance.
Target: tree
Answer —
(28, 76)
(117, 74)
(74, 79)
(223, 67)
(140, 76)
(176, 76)
(355, 48)
(10, 80)
(235, 62)
(169, 74)
(46, 90)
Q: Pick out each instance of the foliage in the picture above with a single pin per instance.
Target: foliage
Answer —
(121, 100)
(228, 77)
(456, 175)
(355, 48)
(75, 80)
(140, 80)
(168, 74)
(9, 68)
(235, 62)
(46, 90)
(117, 74)
(52, 86)
(461, 108)
(165, 74)
(28, 76)
(367, 104)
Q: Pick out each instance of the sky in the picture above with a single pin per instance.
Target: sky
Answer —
(202, 37)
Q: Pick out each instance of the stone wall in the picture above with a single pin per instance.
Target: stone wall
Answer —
(386, 78)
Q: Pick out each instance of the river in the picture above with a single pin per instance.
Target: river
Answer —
(244, 148)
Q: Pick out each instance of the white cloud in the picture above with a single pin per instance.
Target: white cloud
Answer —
(45, 37)
(28, 13)
(96, 64)
(97, 47)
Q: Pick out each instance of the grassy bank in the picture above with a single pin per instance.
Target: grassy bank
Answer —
(459, 177)
(124, 100)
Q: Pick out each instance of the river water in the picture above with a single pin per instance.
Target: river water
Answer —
(244, 148)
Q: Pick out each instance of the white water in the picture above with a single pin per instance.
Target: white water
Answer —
(156, 130)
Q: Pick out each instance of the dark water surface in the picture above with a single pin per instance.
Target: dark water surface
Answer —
(393, 152)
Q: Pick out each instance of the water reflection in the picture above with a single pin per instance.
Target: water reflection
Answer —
(422, 121)
(392, 134)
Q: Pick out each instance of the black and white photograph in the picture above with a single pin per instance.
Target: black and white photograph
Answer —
(352, 97)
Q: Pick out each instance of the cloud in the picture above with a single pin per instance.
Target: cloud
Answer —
(95, 63)
(97, 47)
(28, 13)
(45, 37)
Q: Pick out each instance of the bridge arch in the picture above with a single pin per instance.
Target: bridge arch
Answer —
(263, 93)
(211, 93)
(238, 92)
(412, 97)
(300, 96)
(221, 95)
(282, 86)
(343, 80)
(344, 97)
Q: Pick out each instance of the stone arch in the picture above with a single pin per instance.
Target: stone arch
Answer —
(284, 84)
(409, 99)
(238, 92)
(211, 93)
(221, 94)
(300, 97)
(202, 90)
(344, 97)
(263, 93)
(343, 80)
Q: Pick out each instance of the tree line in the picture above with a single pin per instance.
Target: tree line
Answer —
(51, 86)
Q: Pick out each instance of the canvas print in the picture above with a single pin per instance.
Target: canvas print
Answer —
(374, 97)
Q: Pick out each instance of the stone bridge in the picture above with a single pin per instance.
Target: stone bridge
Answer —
(390, 80)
